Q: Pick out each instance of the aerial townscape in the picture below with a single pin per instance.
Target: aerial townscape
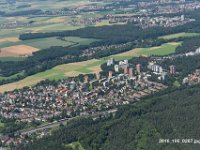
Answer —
(99, 74)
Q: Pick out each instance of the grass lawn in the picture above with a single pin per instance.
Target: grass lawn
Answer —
(177, 35)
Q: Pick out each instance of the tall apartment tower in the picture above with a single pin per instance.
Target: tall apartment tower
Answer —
(86, 79)
(110, 74)
(98, 76)
(126, 69)
(116, 68)
(172, 69)
(138, 68)
(131, 72)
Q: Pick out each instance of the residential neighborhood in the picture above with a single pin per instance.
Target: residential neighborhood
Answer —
(79, 96)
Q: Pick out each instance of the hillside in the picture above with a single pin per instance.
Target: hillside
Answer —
(174, 114)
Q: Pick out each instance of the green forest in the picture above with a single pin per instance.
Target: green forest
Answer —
(169, 115)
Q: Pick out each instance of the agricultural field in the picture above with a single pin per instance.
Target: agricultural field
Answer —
(13, 59)
(39, 24)
(44, 23)
(22, 49)
(178, 35)
(12, 39)
(48, 42)
(164, 49)
(59, 22)
(90, 66)
(17, 51)
(49, 4)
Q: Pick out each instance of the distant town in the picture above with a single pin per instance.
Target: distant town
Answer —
(145, 16)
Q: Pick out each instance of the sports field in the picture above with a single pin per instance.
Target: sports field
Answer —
(178, 35)
(90, 66)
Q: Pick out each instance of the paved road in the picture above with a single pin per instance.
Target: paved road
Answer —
(64, 121)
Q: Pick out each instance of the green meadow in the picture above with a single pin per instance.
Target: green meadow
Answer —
(48, 42)
(3, 59)
(162, 50)
(178, 35)
(165, 49)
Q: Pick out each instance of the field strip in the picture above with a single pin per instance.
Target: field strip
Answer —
(178, 35)
(18, 50)
(11, 39)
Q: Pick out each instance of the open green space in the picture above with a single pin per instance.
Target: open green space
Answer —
(48, 42)
(4, 33)
(178, 35)
(90, 66)
(54, 41)
(45, 23)
(165, 49)
(11, 59)
(45, 5)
